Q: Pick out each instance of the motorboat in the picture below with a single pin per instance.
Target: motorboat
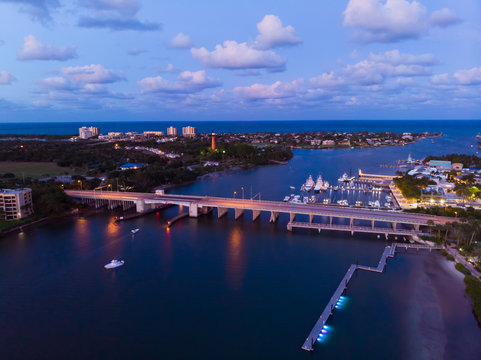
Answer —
(319, 184)
(134, 231)
(359, 203)
(388, 198)
(309, 185)
(346, 178)
(114, 264)
(286, 198)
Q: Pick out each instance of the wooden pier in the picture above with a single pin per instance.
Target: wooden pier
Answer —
(389, 251)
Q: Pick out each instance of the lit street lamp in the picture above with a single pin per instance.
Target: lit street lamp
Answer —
(235, 192)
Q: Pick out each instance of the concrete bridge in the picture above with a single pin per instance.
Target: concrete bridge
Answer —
(199, 205)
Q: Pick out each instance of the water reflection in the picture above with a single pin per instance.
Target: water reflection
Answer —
(235, 259)
(82, 235)
(112, 229)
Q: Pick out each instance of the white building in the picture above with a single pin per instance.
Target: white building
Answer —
(15, 204)
(153, 133)
(88, 132)
(189, 131)
(171, 131)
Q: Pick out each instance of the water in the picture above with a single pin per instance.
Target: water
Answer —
(218, 289)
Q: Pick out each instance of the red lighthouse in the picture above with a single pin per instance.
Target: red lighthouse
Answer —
(213, 141)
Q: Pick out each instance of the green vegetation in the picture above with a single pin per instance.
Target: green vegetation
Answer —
(411, 186)
(448, 211)
(34, 170)
(462, 269)
(473, 289)
(465, 159)
(449, 257)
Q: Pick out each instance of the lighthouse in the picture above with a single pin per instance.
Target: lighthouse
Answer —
(213, 141)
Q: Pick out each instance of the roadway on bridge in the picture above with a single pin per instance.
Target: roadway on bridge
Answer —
(390, 216)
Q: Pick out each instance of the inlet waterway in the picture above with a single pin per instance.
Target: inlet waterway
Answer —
(226, 289)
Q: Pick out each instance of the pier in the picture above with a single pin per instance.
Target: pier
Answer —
(388, 252)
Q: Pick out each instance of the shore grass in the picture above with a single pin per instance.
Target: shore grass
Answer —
(473, 289)
(35, 170)
(6, 225)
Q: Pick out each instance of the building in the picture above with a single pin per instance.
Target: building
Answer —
(153, 133)
(15, 204)
(88, 132)
(457, 166)
(440, 164)
(171, 131)
(328, 142)
(114, 134)
(189, 131)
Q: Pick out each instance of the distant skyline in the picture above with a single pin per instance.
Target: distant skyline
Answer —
(124, 60)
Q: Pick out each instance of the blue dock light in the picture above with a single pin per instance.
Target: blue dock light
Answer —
(323, 331)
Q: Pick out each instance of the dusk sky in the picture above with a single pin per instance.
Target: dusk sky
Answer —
(97, 60)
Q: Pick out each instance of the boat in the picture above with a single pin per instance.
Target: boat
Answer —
(326, 201)
(319, 184)
(346, 178)
(326, 185)
(359, 203)
(377, 203)
(387, 204)
(305, 199)
(309, 185)
(342, 202)
(335, 188)
(286, 198)
(388, 198)
(114, 264)
(134, 231)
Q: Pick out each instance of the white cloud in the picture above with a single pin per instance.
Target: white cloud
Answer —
(39, 10)
(273, 34)
(277, 90)
(186, 82)
(441, 79)
(353, 101)
(6, 78)
(378, 67)
(233, 55)
(444, 18)
(35, 50)
(468, 77)
(181, 41)
(327, 80)
(386, 21)
(93, 74)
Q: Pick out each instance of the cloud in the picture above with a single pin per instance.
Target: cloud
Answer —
(385, 21)
(277, 90)
(273, 34)
(94, 73)
(135, 51)
(39, 10)
(378, 67)
(35, 50)
(181, 41)
(353, 101)
(186, 82)
(468, 77)
(460, 77)
(6, 78)
(233, 55)
(444, 18)
(327, 80)
(118, 24)
(125, 7)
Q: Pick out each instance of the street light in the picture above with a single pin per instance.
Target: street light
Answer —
(242, 192)
(80, 182)
(235, 192)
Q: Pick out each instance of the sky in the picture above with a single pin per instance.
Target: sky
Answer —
(103, 60)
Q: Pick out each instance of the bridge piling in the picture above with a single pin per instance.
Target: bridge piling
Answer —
(238, 213)
(222, 212)
(274, 217)
(255, 215)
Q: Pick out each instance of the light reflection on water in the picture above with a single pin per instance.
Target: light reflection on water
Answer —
(235, 266)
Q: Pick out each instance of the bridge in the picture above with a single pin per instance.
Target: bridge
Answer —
(199, 205)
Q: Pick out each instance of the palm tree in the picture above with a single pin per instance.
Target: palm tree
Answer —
(430, 223)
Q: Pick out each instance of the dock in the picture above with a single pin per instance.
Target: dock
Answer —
(388, 252)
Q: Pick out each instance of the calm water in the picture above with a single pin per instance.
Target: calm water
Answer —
(221, 289)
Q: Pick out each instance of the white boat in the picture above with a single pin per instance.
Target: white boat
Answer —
(309, 185)
(134, 231)
(326, 201)
(305, 199)
(387, 204)
(359, 203)
(325, 185)
(345, 178)
(335, 188)
(286, 198)
(114, 264)
(319, 184)
(388, 198)
(377, 203)
(342, 202)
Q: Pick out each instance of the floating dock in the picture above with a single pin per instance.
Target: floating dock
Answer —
(389, 251)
